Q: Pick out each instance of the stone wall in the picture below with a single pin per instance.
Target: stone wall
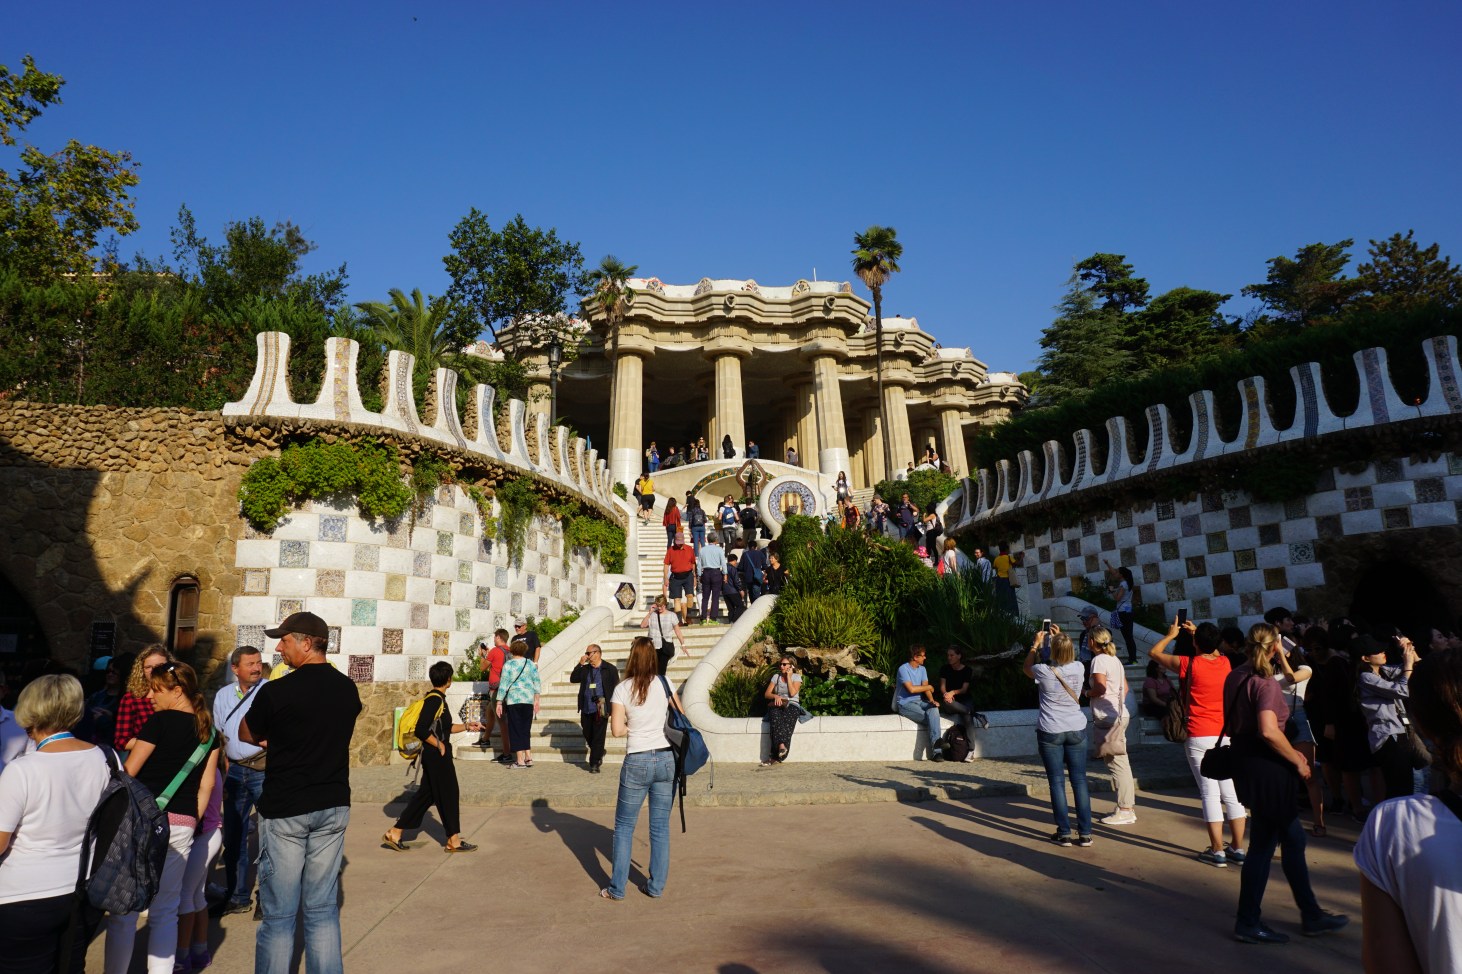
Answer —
(372, 742)
(105, 508)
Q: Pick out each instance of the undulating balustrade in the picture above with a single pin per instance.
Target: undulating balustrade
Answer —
(558, 459)
(1011, 486)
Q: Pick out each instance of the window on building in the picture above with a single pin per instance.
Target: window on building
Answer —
(183, 614)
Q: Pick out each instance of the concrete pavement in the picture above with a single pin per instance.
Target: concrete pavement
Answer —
(944, 886)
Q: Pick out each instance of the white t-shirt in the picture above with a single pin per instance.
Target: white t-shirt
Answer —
(46, 799)
(646, 720)
(662, 627)
(1111, 704)
(1411, 848)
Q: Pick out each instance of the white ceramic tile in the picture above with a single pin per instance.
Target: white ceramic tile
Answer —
(1360, 522)
(292, 583)
(391, 668)
(1199, 588)
(393, 615)
(334, 505)
(416, 642)
(1434, 514)
(1224, 606)
(1251, 581)
(1126, 537)
(1427, 468)
(256, 553)
(1214, 521)
(1169, 529)
(335, 612)
(1326, 502)
(360, 531)
(1272, 556)
(252, 610)
(331, 554)
(420, 589)
(365, 585)
(1397, 494)
(361, 641)
(1365, 478)
(1279, 598)
(1240, 538)
(1453, 485)
(1306, 576)
(300, 526)
(1300, 529)
(1221, 563)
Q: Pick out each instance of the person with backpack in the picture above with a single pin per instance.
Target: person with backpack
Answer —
(753, 566)
(955, 682)
(749, 521)
(46, 801)
(637, 712)
(696, 516)
(671, 521)
(434, 729)
(727, 519)
(175, 756)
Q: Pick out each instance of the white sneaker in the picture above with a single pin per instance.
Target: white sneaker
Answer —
(1121, 817)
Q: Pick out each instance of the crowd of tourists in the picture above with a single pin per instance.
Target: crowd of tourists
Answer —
(147, 772)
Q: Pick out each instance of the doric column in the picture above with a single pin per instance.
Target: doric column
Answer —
(626, 419)
(954, 442)
(806, 426)
(873, 446)
(730, 411)
(896, 410)
(832, 436)
(713, 433)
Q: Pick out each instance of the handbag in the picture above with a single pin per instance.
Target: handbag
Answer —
(1110, 740)
(1218, 763)
(687, 744)
(1175, 721)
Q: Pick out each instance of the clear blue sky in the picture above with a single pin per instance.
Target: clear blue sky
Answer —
(1003, 141)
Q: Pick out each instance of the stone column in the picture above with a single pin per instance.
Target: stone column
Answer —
(730, 409)
(896, 411)
(806, 426)
(954, 442)
(713, 432)
(832, 436)
(873, 446)
(626, 419)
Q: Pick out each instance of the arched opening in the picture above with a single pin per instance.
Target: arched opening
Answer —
(183, 614)
(21, 636)
(1395, 592)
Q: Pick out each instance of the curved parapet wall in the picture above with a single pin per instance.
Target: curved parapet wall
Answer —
(557, 459)
(1013, 487)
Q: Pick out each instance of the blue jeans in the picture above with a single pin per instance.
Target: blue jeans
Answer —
(299, 865)
(698, 538)
(241, 788)
(921, 711)
(1060, 753)
(651, 772)
(1264, 835)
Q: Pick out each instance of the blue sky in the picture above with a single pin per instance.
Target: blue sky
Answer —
(1002, 141)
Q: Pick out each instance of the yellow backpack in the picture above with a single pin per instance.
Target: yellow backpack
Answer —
(408, 745)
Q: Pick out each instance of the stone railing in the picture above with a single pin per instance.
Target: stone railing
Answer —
(553, 457)
(1022, 484)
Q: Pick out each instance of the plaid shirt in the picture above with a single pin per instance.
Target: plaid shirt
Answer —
(132, 713)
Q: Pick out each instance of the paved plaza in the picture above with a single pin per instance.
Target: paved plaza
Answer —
(821, 868)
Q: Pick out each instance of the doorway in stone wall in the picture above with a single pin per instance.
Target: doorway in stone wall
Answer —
(21, 637)
(1397, 592)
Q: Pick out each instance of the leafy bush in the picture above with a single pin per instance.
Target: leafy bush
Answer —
(880, 575)
(369, 471)
(825, 622)
(959, 609)
(549, 628)
(621, 491)
(845, 695)
(797, 533)
(924, 487)
(469, 669)
(736, 693)
(517, 503)
(596, 534)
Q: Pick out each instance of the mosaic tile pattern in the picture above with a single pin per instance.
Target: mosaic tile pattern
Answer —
(362, 612)
(1269, 534)
(417, 667)
(1275, 578)
(1328, 526)
(367, 558)
(391, 641)
(464, 571)
(421, 564)
(1223, 585)
(1245, 560)
(444, 542)
(330, 583)
(332, 527)
(420, 615)
(1169, 551)
(249, 636)
(1241, 516)
(1146, 533)
(362, 669)
(532, 583)
(1297, 508)
(443, 593)
(1430, 490)
(484, 597)
(1302, 553)
(1197, 566)
(1358, 499)
(1191, 526)
(467, 524)
(294, 554)
(332, 644)
(1217, 542)
(288, 607)
(396, 588)
(256, 581)
(464, 620)
(1396, 517)
(441, 643)
(1389, 471)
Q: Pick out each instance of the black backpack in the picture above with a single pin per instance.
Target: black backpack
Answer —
(698, 518)
(126, 843)
(748, 517)
(955, 743)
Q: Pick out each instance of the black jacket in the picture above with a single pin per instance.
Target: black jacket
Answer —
(611, 680)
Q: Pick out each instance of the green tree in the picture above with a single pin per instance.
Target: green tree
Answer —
(876, 254)
(1109, 277)
(1085, 345)
(518, 276)
(1403, 275)
(1177, 326)
(56, 206)
(1308, 289)
(609, 288)
(254, 260)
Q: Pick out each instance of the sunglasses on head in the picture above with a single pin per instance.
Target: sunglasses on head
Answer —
(163, 668)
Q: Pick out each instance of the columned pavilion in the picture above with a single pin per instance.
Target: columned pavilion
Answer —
(781, 366)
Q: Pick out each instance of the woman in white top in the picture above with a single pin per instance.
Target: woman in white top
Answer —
(1109, 712)
(637, 711)
(1410, 849)
(1061, 731)
(46, 800)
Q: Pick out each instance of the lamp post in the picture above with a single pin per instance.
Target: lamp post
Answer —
(555, 359)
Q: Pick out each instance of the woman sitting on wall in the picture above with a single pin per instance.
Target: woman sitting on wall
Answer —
(784, 710)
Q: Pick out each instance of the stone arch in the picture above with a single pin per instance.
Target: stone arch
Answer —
(1409, 577)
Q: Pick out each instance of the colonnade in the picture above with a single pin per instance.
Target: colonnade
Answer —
(814, 419)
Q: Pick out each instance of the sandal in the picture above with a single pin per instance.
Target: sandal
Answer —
(396, 845)
(781, 752)
(462, 846)
(604, 894)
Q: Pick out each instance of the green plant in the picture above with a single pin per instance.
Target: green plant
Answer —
(428, 472)
(798, 532)
(825, 621)
(924, 487)
(369, 471)
(483, 500)
(517, 502)
(881, 576)
(845, 695)
(596, 534)
(549, 628)
(469, 669)
(736, 692)
(959, 610)
(621, 491)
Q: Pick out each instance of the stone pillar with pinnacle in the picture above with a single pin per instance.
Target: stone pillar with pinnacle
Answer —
(832, 435)
(896, 410)
(626, 418)
(953, 436)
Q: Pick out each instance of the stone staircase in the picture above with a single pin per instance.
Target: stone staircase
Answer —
(557, 736)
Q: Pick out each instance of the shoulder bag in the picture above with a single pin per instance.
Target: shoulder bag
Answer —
(1413, 746)
(257, 761)
(198, 754)
(1110, 740)
(686, 743)
(1218, 763)
(1175, 721)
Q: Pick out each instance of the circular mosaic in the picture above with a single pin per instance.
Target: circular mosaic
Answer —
(790, 497)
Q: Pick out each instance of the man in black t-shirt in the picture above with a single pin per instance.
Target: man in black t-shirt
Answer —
(521, 631)
(306, 719)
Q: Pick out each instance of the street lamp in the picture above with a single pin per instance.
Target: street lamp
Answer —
(555, 359)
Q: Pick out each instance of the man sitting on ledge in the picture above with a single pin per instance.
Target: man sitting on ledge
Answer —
(914, 698)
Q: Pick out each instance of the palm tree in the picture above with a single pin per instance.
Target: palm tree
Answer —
(610, 289)
(876, 253)
(415, 325)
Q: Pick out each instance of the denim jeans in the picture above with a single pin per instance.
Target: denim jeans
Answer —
(698, 538)
(921, 711)
(1061, 753)
(241, 789)
(299, 865)
(1264, 835)
(652, 773)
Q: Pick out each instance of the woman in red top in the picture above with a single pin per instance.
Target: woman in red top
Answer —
(1209, 668)
(134, 709)
(671, 521)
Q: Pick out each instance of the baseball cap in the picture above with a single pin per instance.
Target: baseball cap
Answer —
(102, 662)
(1088, 613)
(303, 623)
(520, 621)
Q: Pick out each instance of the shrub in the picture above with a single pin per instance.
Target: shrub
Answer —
(826, 621)
(798, 531)
(879, 575)
(549, 628)
(845, 695)
(924, 487)
(596, 534)
(621, 491)
(959, 609)
(369, 471)
(736, 692)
